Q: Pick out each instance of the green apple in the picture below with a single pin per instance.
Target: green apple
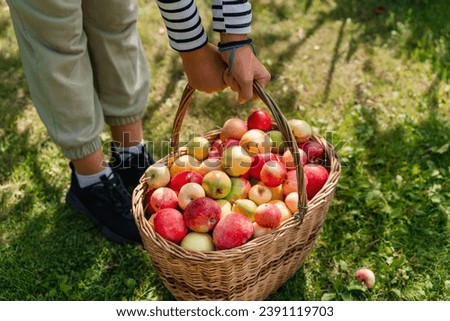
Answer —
(198, 242)
(277, 141)
(239, 189)
(216, 184)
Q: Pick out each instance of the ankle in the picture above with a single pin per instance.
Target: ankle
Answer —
(90, 164)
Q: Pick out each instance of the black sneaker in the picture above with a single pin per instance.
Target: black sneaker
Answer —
(107, 205)
(130, 167)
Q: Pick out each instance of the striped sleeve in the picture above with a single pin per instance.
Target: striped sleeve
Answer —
(232, 16)
(183, 23)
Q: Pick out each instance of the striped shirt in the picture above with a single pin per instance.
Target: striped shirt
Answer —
(184, 25)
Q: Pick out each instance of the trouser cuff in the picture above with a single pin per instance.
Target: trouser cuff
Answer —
(83, 150)
(123, 120)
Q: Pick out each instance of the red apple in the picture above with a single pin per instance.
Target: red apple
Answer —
(163, 197)
(314, 151)
(229, 143)
(317, 176)
(273, 173)
(232, 230)
(213, 153)
(288, 160)
(233, 128)
(268, 215)
(258, 161)
(178, 180)
(290, 184)
(259, 119)
(202, 214)
(169, 224)
(148, 197)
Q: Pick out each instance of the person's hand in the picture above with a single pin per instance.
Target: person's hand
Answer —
(204, 69)
(245, 69)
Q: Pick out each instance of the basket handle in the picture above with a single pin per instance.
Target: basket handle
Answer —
(283, 127)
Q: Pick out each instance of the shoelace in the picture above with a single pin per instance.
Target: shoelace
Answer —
(118, 195)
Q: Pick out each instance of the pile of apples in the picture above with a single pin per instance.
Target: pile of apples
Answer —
(222, 193)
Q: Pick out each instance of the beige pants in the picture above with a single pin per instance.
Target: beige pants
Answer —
(84, 64)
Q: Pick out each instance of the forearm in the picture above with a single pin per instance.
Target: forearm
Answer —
(232, 16)
(183, 23)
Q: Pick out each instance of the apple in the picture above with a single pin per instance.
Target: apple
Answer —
(210, 164)
(184, 163)
(277, 141)
(260, 194)
(259, 119)
(216, 184)
(236, 161)
(198, 147)
(314, 151)
(366, 276)
(198, 242)
(157, 175)
(291, 202)
(149, 210)
(213, 153)
(268, 215)
(233, 128)
(255, 141)
(163, 197)
(225, 207)
(245, 207)
(285, 213)
(258, 230)
(188, 193)
(301, 129)
(288, 160)
(258, 160)
(184, 177)
(233, 230)
(290, 184)
(169, 224)
(228, 143)
(317, 176)
(273, 173)
(239, 189)
(202, 214)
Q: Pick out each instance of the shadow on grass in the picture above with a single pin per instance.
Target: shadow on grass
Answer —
(48, 252)
(393, 198)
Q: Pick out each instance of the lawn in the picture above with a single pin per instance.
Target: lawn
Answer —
(370, 76)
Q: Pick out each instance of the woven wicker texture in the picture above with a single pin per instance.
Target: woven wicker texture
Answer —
(258, 268)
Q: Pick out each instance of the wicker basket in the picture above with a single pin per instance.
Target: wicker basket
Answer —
(256, 269)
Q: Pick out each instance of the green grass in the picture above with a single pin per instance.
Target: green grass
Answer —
(371, 76)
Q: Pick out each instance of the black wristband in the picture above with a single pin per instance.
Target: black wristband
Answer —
(233, 44)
